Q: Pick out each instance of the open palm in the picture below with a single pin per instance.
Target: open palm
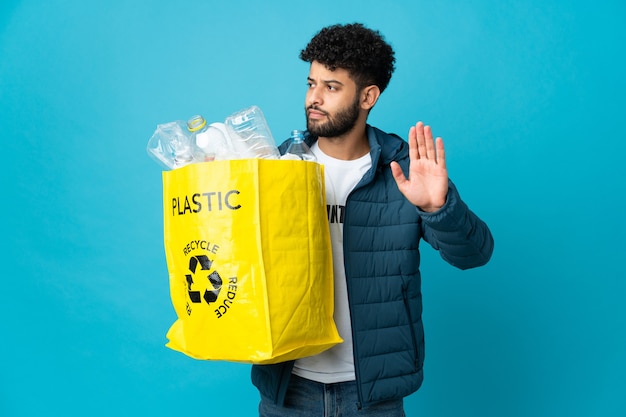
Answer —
(427, 185)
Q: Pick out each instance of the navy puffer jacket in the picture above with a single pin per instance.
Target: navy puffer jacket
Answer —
(382, 232)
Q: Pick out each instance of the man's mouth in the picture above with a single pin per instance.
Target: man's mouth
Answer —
(314, 113)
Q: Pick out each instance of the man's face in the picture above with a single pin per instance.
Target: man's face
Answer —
(332, 102)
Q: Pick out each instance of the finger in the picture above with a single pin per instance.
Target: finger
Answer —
(429, 144)
(397, 173)
(441, 153)
(421, 140)
(412, 144)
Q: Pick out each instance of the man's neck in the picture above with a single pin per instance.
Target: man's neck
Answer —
(347, 147)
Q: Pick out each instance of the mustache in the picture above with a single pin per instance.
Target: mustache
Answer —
(316, 108)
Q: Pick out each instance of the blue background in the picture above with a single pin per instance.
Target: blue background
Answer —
(529, 97)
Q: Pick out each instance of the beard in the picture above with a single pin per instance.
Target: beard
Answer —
(338, 124)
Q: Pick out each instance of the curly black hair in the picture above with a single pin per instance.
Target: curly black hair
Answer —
(361, 51)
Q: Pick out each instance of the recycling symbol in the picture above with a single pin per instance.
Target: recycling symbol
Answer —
(198, 267)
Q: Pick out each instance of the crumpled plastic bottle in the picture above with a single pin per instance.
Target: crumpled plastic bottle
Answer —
(250, 134)
(171, 145)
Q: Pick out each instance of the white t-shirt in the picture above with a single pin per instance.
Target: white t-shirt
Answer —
(337, 363)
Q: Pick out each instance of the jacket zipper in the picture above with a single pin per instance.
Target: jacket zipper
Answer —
(360, 184)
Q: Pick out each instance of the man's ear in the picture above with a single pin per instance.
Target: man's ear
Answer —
(369, 96)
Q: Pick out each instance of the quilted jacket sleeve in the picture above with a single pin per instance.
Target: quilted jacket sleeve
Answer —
(462, 239)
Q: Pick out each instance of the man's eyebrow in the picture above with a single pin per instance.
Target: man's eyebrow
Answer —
(331, 81)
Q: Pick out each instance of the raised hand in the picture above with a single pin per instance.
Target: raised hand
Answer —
(427, 185)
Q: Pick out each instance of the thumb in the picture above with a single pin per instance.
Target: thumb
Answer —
(397, 173)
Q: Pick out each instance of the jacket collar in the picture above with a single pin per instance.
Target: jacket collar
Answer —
(384, 147)
(387, 147)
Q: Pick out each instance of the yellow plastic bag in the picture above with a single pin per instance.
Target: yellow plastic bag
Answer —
(248, 252)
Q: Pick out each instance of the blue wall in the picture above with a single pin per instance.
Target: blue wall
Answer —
(529, 96)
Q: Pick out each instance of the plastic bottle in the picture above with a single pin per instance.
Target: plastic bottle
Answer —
(198, 128)
(215, 143)
(250, 134)
(298, 148)
(171, 146)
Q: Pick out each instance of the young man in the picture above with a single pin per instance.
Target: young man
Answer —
(384, 196)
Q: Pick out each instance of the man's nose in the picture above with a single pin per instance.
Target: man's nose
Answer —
(313, 97)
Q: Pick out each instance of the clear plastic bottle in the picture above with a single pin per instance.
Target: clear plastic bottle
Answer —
(250, 134)
(215, 143)
(171, 146)
(298, 148)
(198, 128)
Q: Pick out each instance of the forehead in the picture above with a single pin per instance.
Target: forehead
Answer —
(321, 73)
